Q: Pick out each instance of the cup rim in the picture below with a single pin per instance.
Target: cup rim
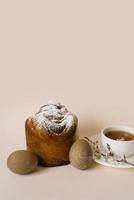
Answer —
(118, 127)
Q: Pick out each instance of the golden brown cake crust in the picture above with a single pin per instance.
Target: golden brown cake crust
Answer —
(52, 149)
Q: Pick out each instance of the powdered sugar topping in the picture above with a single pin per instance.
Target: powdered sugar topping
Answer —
(55, 118)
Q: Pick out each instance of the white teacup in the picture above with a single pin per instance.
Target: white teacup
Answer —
(118, 147)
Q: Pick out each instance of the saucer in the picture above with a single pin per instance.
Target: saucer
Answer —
(109, 161)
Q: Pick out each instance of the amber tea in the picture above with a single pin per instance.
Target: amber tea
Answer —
(120, 135)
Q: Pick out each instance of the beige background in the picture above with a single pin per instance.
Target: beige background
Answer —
(80, 53)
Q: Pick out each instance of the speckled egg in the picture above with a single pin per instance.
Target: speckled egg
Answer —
(81, 154)
(22, 162)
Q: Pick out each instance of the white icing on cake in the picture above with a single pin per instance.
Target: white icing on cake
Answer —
(55, 119)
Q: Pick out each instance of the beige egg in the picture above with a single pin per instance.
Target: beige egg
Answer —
(81, 154)
(22, 162)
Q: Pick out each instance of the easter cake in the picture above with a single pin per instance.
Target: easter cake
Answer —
(50, 134)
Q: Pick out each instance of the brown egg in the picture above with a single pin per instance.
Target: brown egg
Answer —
(81, 154)
(22, 162)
